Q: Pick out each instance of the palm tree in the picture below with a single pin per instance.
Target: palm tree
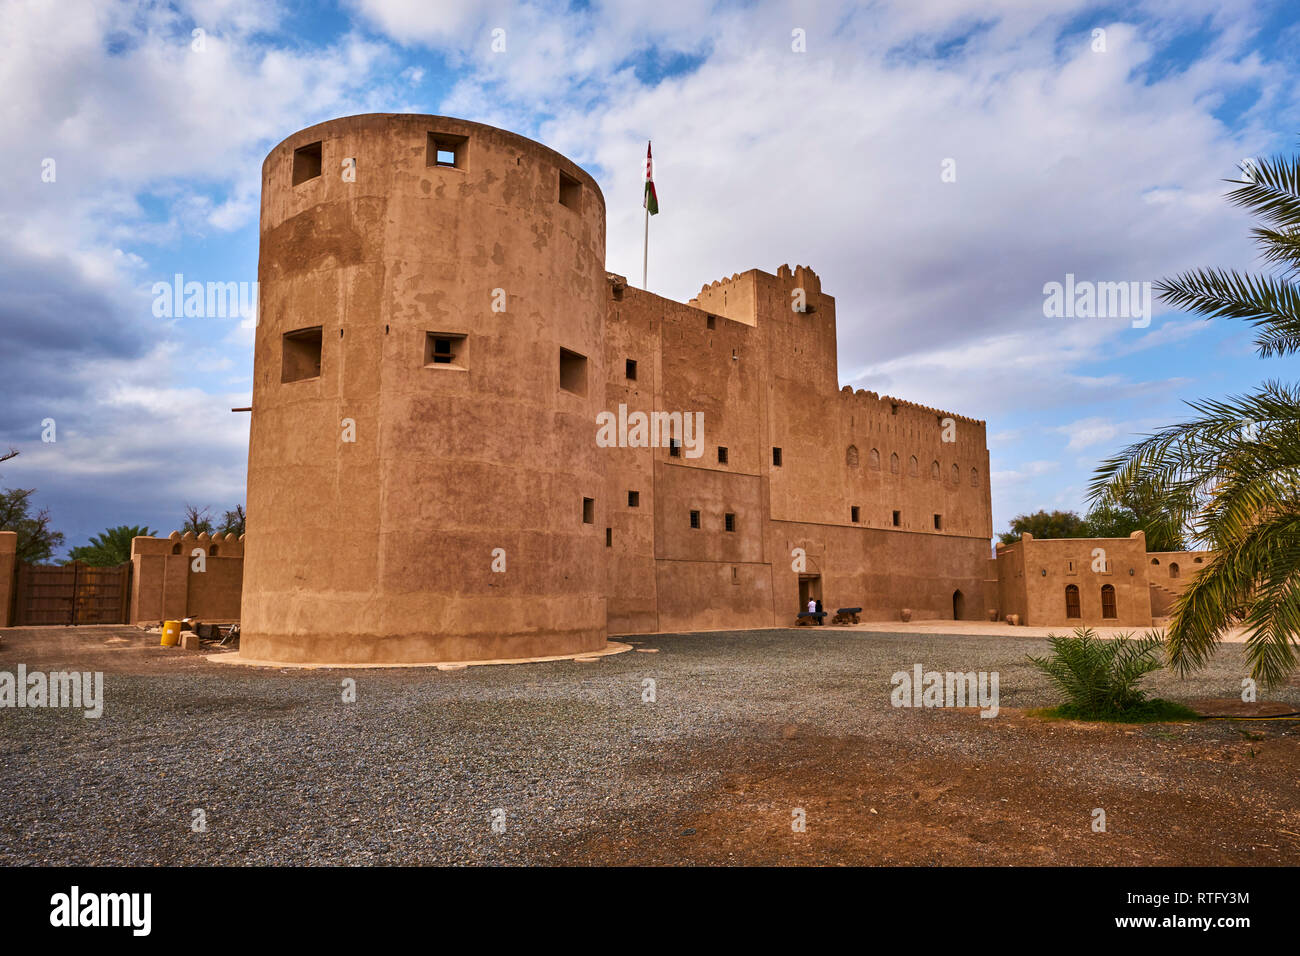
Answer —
(1236, 463)
(111, 548)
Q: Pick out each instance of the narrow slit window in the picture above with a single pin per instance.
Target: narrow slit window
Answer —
(938, 522)
(674, 448)
(729, 521)
(776, 457)
(722, 454)
(306, 163)
(854, 514)
(588, 510)
(630, 370)
(898, 519)
(609, 537)
(695, 519)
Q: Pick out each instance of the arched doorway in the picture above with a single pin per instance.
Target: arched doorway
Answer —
(958, 605)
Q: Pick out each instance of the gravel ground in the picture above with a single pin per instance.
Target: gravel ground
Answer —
(584, 770)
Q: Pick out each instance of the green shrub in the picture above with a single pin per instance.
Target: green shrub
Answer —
(1099, 678)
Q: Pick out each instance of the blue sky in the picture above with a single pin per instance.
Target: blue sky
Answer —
(1106, 163)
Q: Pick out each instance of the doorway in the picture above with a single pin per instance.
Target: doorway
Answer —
(958, 605)
(810, 589)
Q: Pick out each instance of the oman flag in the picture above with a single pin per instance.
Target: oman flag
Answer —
(651, 202)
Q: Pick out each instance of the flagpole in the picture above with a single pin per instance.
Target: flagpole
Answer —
(645, 249)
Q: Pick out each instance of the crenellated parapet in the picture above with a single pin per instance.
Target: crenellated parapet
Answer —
(228, 545)
(864, 399)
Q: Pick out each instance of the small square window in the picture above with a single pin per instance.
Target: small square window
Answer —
(729, 521)
(573, 372)
(898, 518)
(711, 322)
(588, 510)
(938, 522)
(444, 350)
(853, 513)
(444, 149)
(722, 454)
(631, 369)
(674, 448)
(570, 192)
(634, 499)
(300, 358)
(776, 458)
(695, 519)
(306, 163)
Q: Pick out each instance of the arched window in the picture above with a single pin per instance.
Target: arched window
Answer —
(1155, 560)
(913, 466)
(1173, 569)
(956, 475)
(1108, 601)
(893, 463)
(1072, 601)
(974, 478)
(176, 548)
(851, 456)
(934, 470)
(213, 551)
(875, 460)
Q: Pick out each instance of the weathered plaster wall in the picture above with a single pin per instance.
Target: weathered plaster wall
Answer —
(165, 585)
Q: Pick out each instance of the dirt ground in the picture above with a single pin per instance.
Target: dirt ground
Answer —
(761, 745)
(864, 806)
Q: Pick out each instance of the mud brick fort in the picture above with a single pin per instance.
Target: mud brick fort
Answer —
(437, 340)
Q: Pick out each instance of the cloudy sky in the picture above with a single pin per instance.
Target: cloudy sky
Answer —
(936, 161)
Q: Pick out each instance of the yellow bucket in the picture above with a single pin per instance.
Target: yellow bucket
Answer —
(171, 633)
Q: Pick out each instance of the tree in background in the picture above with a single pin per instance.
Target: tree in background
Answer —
(1046, 524)
(233, 521)
(197, 520)
(37, 541)
(1109, 520)
(1237, 461)
(111, 548)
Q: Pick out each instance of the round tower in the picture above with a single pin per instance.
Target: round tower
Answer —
(423, 480)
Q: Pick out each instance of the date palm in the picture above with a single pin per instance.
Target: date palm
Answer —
(1236, 463)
